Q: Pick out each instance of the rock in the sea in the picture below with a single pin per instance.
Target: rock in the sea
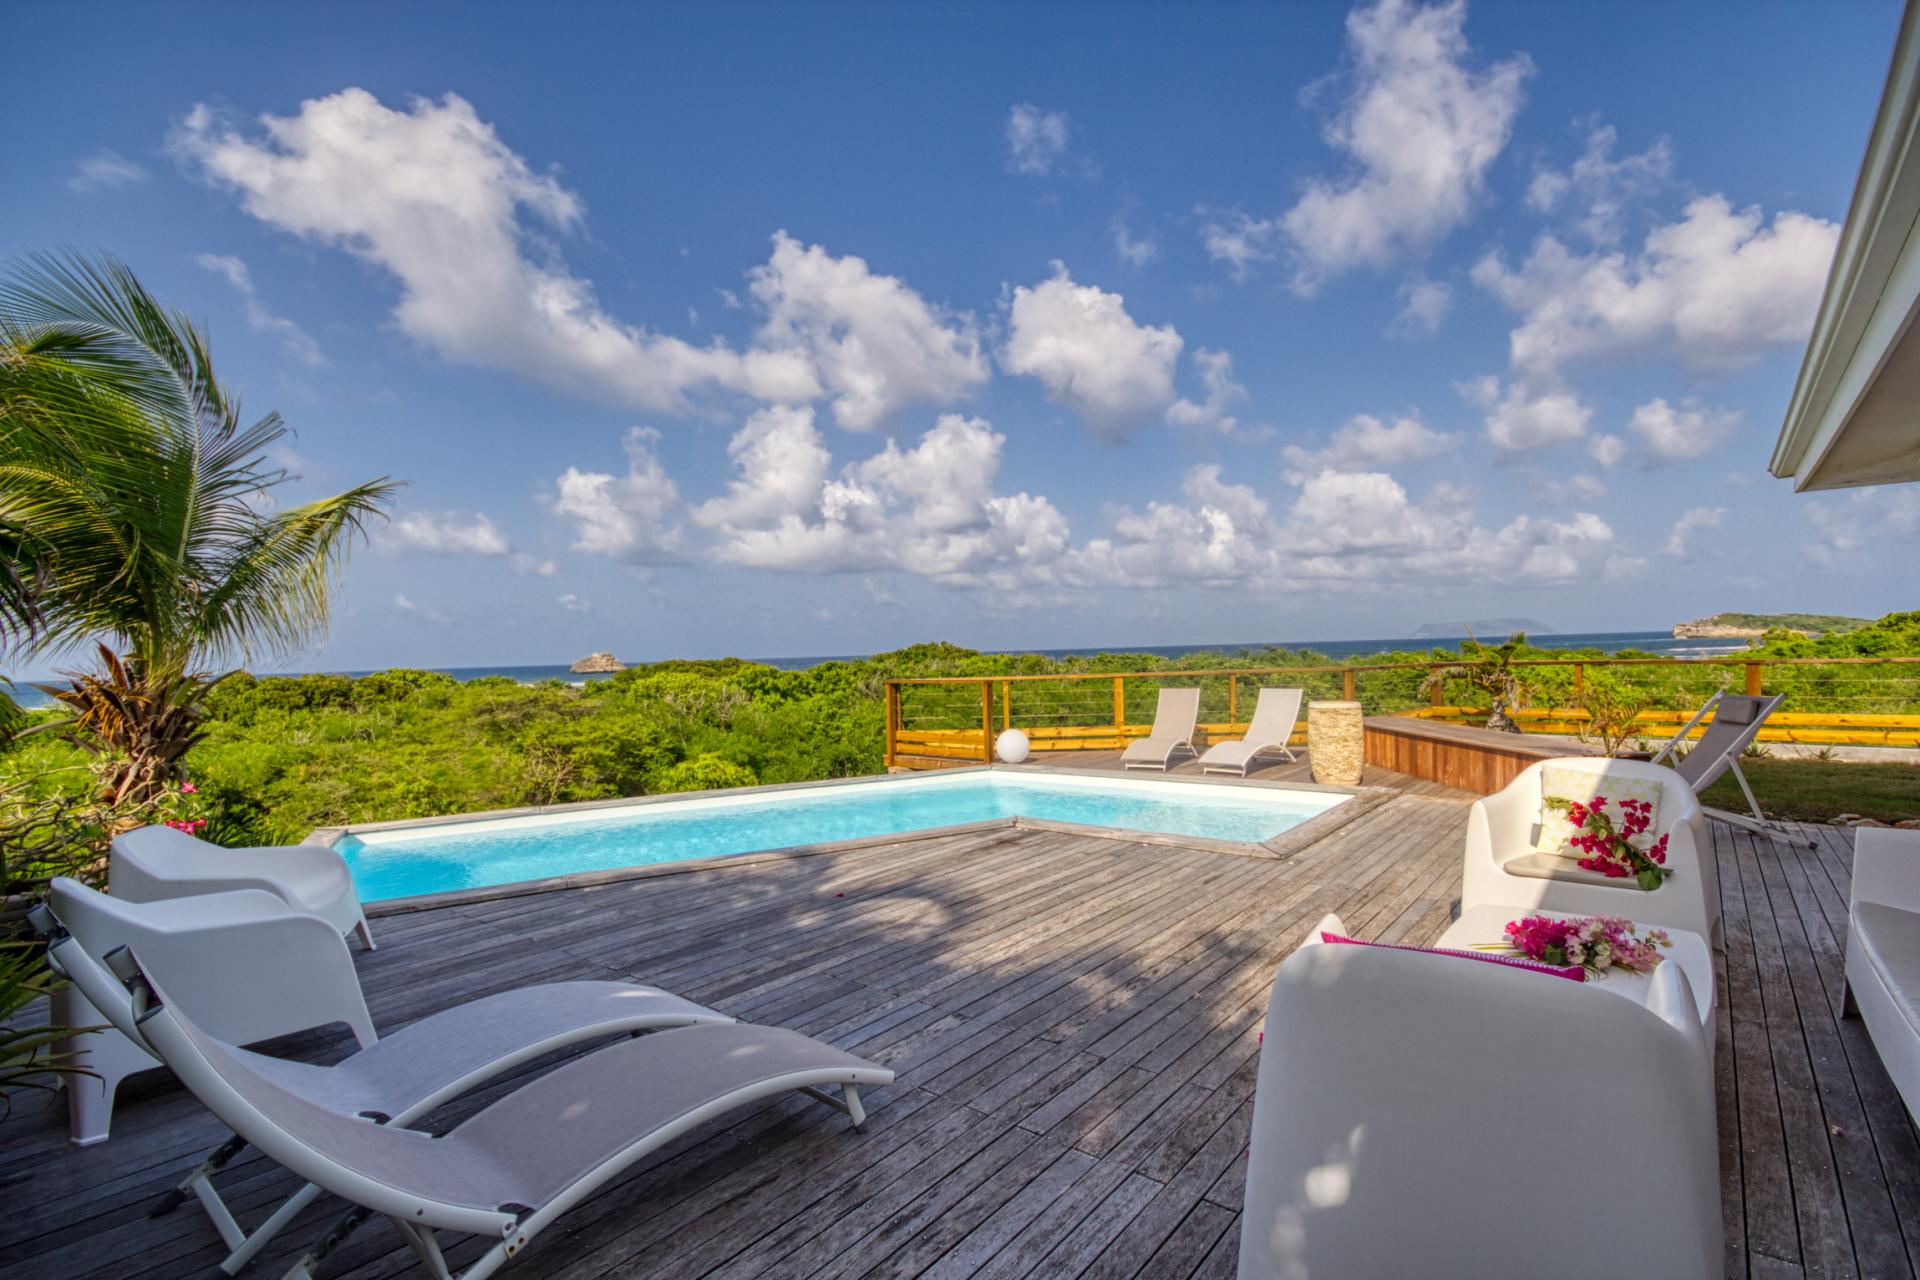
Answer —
(594, 663)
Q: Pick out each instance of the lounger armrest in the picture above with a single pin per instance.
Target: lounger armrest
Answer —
(1886, 867)
(255, 967)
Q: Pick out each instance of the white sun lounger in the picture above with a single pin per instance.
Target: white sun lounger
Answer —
(1737, 720)
(155, 863)
(395, 1080)
(1174, 719)
(510, 1170)
(1274, 716)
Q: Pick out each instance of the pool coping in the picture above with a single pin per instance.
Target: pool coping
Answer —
(1360, 800)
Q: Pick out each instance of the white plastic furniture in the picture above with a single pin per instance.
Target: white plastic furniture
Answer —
(1414, 1116)
(1274, 716)
(1175, 716)
(1483, 925)
(1883, 951)
(252, 966)
(1503, 869)
(158, 862)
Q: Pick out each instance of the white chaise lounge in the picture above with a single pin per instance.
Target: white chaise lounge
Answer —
(258, 968)
(507, 1172)
(158, 862)
(1175, 717)
(395, 1080)
(1274, 718)
(1737, 721)
(1883, 951)
(1504, 866)
(1414, 1114)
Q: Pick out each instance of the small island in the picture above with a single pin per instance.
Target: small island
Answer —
(1751, 626)
(1481, 627)
(597, 664)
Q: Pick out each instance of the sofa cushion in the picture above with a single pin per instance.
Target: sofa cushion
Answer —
(1551, 866)
(1556, 829)
(1890, 940)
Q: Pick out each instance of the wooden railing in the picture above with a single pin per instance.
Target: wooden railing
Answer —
(939, 720)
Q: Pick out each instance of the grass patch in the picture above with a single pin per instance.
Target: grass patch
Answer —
(1821, 790)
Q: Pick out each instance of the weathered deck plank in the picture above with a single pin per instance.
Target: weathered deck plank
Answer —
(1075, 1021)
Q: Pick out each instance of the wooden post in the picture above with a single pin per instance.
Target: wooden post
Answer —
(986, 721)
(1439, 688)
(1233, 699)
(893, 721)
(1006, 704)
(1346, 685)
(1120, 710)
(1753, 679)
(1579, 678)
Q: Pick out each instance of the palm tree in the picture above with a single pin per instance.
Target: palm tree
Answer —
(137, 511)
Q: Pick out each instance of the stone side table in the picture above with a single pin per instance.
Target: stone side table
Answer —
(1336, 743)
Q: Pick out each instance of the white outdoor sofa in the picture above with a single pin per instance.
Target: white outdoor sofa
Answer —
(1883, 951)
(1436, 1116)
(1502, 867)
(157, 862)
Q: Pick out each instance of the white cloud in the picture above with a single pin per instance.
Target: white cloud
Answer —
(1681, 540)
(105, 170)
(426, 613)
(632, 517)
(1845, 525)
(1036, 138)
(446, 533)
(1607, 450)
(573, 603)
(876, 345)
(525, 564)
(1237, 240)
(1134, 251)
(1716, 288)
(432, 195)
(1522, 418)
(1221, 394)
(1603, 187)
(1423, 305)
(1089, 354)
(1421, 128)
(1577, 489)
(1367, 443)
(1670, 434)
(296, 341)
(780, 464)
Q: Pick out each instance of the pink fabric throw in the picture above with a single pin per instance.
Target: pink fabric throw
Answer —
(1572, 972)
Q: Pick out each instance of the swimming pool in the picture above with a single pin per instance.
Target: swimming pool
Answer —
(399, 862)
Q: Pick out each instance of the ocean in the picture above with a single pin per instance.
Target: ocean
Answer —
(1660, 643)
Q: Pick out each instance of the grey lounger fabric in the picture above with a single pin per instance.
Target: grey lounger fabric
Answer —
(1737, 721)
(1274, 716)
(1174, 718)
(515, 1166)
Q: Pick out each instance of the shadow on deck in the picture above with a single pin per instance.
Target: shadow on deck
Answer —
(1075, 1025)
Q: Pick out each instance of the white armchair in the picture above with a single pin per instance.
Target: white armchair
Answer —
(1410, 1108)
(247, 966)
(1503, 869)
(157, 862)
(1883, 951)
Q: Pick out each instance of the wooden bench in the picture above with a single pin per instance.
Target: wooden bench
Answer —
(1456, 755)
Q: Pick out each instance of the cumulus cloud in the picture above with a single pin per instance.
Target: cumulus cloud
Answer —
(1680, 541)
(445, 533)
(1603, 188)
(1135, 251)
(780, 464)
(1220, 394)
(1671, 434)
(1367, 443)
(1089, 354)
(1607, 450)
(1036, 138)
(1717, 288)
(1522, 418)
(875, 344)
(295, 340)
(1844, 525)
(1423, 305)
(433, 196)
(635, 517)
(105, 170)
(1420, 126)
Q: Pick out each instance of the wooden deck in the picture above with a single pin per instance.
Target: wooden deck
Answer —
(1075, 1025)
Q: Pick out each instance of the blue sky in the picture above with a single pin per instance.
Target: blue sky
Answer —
(790, 329)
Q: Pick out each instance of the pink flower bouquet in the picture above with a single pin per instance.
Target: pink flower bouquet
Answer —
(1595, 943)
(1609, 849)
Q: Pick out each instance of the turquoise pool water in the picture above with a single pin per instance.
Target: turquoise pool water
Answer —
(401, 862)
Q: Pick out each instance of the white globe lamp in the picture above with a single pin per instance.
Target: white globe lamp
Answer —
(1011, 746)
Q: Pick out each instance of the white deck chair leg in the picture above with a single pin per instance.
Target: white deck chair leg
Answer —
(366, 934)
(248, 1248)
(425, 1246)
